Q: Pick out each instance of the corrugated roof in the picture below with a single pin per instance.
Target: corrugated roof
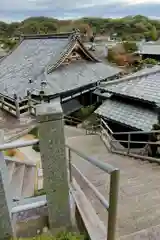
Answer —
(143, 85)
(133, 116)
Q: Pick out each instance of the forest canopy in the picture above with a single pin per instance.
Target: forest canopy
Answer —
(128, 28)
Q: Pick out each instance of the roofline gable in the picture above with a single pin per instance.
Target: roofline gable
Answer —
(47, 36)
(72, 37)
(84, 49)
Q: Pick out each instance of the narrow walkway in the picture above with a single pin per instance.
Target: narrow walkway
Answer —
(139, 195)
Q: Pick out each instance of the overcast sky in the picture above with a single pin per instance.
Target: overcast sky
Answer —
(19, 9)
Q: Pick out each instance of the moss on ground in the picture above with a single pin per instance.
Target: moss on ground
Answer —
(39, 192)
(59, 236)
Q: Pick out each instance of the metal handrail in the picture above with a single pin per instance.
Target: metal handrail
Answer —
(101, 198)
(139, 142)
(114, 183)
(103, 166)
(136, 132)
(114, 187)
(18, 144)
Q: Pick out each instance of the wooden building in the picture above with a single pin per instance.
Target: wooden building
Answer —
(44, 67)
(131, 103)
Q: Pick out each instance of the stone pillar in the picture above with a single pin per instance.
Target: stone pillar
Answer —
(5, 219)
(52, 148)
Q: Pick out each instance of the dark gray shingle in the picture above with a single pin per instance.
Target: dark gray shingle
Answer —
(75, 75)
(124, 113)
(31, 59)
(143, 85)
(28, 62)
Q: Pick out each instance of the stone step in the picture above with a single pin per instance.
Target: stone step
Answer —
(17, 180)
(28, 181)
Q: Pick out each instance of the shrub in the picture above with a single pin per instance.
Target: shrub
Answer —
(130, 46)
(84, 112)
(150, 61)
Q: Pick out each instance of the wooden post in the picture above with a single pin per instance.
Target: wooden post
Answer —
(54, 164)
(5, 220)
(2, 100)
(17, 109)
(17, 106)
(29, 102)
(129, 139)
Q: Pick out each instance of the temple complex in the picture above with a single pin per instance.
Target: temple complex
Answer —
(44, 67)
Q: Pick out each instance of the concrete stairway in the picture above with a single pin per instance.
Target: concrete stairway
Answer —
(21, 178)
(139, 194)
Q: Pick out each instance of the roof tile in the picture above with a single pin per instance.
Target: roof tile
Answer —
(140, 86)
(133, 116)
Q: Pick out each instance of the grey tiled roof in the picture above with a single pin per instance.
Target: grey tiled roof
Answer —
(26, 62)
(124, 113)
(33, 58)
(150, 48)
(74, 75)
(139, 86)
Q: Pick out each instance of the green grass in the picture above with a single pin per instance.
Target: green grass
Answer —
(59, 236)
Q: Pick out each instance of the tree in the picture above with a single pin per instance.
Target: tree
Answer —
(154, 34)
(130, 46)
(128, 28)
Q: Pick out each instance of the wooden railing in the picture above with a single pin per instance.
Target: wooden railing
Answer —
(116, 145)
